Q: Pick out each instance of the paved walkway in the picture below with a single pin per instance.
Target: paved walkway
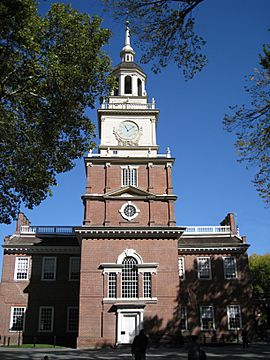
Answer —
(235, 352)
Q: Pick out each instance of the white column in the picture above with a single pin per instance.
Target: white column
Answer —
(153, 125)
(122, 84)
(134, 85)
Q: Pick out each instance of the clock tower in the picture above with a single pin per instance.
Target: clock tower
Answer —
(129, 238)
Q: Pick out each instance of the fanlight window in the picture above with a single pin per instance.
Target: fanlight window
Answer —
(129, 278)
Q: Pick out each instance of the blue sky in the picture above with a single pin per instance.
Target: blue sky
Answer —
(208, 180)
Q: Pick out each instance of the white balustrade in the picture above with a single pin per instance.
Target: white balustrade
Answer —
(47, 229)
(127, 105)
(207, 229)
(70, 229)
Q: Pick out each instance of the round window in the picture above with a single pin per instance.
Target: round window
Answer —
(130, 210)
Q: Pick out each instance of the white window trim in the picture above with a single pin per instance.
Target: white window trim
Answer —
(210, 268)
(70, 261)
(68, 309)
(134, 284)
(129, 167)
(144, 284)
(235, 267)
(16, 267)
(124, 216)
(108, 289)
(182, 275)
(39, 318)
(43, 264)
(228, 317)
(213, 314)
(11, 318)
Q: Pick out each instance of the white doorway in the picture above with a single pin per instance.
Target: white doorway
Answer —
(129, 328)
(129, 323)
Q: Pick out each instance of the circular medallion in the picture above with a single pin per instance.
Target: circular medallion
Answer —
(129, 211)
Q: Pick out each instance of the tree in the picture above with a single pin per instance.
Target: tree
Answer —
(51, 69)
(252, 126)
(165, 32)
(260, 274)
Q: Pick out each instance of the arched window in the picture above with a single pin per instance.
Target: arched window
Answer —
(139, 87)
(128, 87)
(129, 278)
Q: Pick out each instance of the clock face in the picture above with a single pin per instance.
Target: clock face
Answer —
(128, 130)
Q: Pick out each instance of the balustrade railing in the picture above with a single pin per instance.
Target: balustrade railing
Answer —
(127, 105)
(47, 229)
(207, 229)
(70, 229)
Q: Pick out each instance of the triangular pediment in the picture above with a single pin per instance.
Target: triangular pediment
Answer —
(128, 192)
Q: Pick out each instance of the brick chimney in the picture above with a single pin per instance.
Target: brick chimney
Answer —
(21, 221)
(230, 221)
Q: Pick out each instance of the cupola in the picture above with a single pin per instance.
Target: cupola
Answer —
(130, 77)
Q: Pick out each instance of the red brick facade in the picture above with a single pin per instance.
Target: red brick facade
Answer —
(128, 266)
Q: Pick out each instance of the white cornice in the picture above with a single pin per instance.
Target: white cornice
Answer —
(210, 249)
(42, 249)
(134, 197)
(159, 232)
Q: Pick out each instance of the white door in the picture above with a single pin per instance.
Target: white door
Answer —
(129, 328)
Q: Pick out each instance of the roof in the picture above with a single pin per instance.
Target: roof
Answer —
(128, 65)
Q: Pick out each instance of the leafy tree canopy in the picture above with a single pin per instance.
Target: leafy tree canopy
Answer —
(252, 125)
(51, 69)
(165, 32)
(260, 273)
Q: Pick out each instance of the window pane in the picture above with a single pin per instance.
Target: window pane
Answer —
(17, 318)
(129, 176)
(46, 319)
(49, 267)
(207, 317)
(129, 278)
(74, 268)
(183, 322)
(133, 180)
(181, 267)
(204, 270)
(73, 319)
(112, 285)
(229, 267)
(147, 285)
(21, 268)
(234, 317)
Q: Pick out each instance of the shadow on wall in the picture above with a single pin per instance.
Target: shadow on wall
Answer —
(194, 293)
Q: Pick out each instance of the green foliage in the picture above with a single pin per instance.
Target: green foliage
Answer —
(165, 32)
(260, 273)
(51, 69)
(252, 126)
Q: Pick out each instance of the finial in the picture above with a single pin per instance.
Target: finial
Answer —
(127, 39)
(168, 152)
(127, 53)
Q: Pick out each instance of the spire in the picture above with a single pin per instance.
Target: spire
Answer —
(127, 53)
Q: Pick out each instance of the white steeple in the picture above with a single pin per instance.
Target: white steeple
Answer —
(127, 53)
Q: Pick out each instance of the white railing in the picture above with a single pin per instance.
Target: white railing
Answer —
(96, 155)
(207, 230)
(127, 105)
(47, 229)
(25, 229)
